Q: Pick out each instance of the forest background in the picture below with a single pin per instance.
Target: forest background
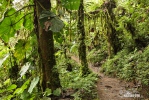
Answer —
(39, 37)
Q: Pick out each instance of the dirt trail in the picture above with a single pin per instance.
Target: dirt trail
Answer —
(112, 88)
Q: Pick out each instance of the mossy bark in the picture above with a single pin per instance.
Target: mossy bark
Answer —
(82, 47)
(110, 25)
(50, 77)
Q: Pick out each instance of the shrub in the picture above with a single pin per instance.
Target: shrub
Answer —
(132, 66)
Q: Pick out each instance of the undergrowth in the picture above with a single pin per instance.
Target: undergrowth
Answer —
(130, 66)
(95, 56)
(70, 76)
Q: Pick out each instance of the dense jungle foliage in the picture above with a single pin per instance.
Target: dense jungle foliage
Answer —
(38, 39)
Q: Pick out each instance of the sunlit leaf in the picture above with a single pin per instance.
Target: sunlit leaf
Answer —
(3, 59)
(6, 29)
(11, 87)
(48, 92)
(22, 46)
(10, 12)
(74, 48)
(24, 69)
(2, 14)
(28, 22)
(9, 97)
(33, 84)
(4, 4)
(18, 91)
(7, 82)
(23, 87)
(12, 21)
(71, 4)
(18, 23)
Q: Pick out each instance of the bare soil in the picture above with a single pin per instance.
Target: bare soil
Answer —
(110, 88)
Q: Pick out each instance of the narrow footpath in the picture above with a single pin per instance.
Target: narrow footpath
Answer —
(110, 88)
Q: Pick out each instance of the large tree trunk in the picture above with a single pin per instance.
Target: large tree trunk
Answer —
(82, 46)
(50, 77)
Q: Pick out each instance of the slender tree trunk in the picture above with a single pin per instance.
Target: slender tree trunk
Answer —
(82, 46)
(50, 77)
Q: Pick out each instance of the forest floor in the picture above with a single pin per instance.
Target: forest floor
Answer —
(110, 88)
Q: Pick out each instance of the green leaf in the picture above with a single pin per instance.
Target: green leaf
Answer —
(2, 15)
(25, 95)
(6, 26)
(11, 22)
(49, 21)
(4, 4)
(74, 48)
(9, 97)
(45, 16)
(23, 87)
(6, 29)
(48, 92)
(16, 18)
(11, 87)
(19, 91)
(57, 92)
(28, 22)
(22, 46)
(2, 91)
(58, 38)
(10, 12)
(3, 59)
(71, 4)
(7, 82)
(56, 24)
(24, 69)
(18, 21)
(33, 84)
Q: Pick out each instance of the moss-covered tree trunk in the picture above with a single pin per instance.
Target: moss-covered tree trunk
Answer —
(50, 77)
(82, 46)
(110, 25)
